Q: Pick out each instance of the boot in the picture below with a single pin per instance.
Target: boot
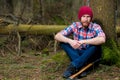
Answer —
(69, 71)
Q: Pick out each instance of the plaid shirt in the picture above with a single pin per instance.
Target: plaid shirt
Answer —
(80, 33)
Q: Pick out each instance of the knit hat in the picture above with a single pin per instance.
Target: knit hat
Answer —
(85, 10)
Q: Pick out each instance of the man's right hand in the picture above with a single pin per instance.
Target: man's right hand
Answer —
(74, 43)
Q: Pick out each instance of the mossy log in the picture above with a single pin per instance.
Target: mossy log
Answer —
(31, 29)
(37, 29)
(118, 31)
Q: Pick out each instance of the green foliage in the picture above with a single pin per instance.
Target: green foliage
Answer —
(29, 66)
(25, 43)
(2, 41)
(45, 52)
(111, 53)
(60, 58)
(58, 20)
(109, 56)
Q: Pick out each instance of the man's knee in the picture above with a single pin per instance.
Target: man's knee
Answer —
(97, 53)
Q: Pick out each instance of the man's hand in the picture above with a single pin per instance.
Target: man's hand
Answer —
(74, 43)
(82, 42)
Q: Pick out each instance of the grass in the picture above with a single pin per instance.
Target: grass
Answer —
(13, 67)
(28, 66)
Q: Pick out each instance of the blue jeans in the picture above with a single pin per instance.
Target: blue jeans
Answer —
(81, 57)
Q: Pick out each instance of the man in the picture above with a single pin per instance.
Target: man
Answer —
(85, 45)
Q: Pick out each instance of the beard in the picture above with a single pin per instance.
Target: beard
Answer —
(85, 24)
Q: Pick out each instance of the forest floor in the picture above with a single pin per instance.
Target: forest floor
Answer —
(37, 66)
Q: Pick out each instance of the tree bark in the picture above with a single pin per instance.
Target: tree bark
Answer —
(75, 7)
(104, 11)
(6, 7)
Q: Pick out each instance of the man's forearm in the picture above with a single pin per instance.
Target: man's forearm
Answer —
(59, 37)
(94, 41)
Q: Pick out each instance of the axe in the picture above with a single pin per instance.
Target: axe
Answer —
(82, 70)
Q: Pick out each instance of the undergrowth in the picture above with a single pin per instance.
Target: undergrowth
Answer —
(111, 53)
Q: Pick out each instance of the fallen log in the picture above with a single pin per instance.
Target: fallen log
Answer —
(37, 29)
(32, 29)
(118, 31)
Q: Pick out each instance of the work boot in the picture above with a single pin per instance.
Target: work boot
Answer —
(69, 71)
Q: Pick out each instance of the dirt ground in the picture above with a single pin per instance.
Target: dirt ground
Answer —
(104, 73)
(30, 66)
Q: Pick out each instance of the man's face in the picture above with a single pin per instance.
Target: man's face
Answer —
(85, 20)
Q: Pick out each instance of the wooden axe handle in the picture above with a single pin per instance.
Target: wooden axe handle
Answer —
(83, 69)
(79, 72)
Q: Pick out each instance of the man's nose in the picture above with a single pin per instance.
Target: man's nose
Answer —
(86, 18)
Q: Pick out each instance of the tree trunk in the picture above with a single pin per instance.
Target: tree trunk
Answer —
(6, 7)
(75, 7)
(27, 10)
(104, 11)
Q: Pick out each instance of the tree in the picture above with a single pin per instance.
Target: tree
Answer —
(6, 7)
(104, 11)
(105, 14)
(75, 7)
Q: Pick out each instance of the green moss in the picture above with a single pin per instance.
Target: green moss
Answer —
(109, 56)
(60, 57)
(111, 53)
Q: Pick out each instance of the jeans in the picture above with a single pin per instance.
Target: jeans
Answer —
(81, 57)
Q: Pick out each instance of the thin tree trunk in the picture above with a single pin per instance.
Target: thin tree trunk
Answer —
(75, 8)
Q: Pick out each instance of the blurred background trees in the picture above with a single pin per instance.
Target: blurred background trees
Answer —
(51, 11)
(106, 13)
(41, 11)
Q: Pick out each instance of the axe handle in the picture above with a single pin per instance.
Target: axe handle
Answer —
(83, 69)
(79, 72)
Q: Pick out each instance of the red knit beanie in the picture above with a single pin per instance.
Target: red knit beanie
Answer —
(85, 10)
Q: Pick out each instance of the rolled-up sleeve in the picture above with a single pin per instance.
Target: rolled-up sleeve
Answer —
(67, 31)
(99, 31)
